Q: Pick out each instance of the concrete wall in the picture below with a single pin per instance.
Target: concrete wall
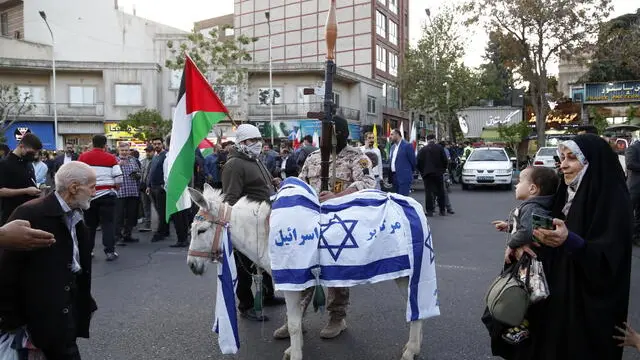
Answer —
(92, 31)
(15, 15)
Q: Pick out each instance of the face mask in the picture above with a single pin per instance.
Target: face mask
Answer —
(255, 148)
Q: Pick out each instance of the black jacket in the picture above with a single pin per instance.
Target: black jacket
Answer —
(38, 289)
(59, 161)
(290, 168)
(244, 176)
(632, 160)
(432, 160)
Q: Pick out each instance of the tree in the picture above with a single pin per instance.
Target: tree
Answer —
(599, 120)
(433, 77)
(217, 58)
(496, 77)
(145, 125)
(12, 106)
(533, 33)
(617, 52)
(513, 134)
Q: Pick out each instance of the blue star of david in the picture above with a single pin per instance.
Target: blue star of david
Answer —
(428, 243)
(348, 226)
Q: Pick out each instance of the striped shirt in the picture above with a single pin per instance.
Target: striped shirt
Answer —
(108, 172)
(130, 187)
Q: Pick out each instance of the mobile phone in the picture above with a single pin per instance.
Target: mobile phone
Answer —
(541, 222)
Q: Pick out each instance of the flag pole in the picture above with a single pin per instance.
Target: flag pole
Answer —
(331, 34)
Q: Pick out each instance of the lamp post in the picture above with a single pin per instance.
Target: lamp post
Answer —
(271, 97)
(43, 15)
(435, 64)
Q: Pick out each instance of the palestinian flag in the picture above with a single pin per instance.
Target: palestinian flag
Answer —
(197, 111)
(206, 147)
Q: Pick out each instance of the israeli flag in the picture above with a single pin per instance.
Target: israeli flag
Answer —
(226, 319)
(365, 237)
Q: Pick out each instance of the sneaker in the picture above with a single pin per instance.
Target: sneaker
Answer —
(146, 228)
(450, 211)
(251, 315)
(334, 328)
(517, 334)
(112, 256)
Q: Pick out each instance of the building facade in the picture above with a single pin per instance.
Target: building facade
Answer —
(108, 64)
(372, 39)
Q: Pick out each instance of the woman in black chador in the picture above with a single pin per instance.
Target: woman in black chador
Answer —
(587, 260)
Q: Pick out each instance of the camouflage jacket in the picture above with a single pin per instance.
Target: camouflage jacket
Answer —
(353, 169)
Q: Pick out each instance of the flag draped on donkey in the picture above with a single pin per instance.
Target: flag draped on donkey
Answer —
(364, 237)
(198, 109)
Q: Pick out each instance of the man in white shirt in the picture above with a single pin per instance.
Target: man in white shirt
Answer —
(68, 156)
(369, 147)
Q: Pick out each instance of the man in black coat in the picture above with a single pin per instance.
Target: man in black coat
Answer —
(632, 160)
(46, 293)
(432, 163)
(68, 156)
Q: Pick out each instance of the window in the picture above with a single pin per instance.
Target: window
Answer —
(393, 32)
(393, 98)
(128, 95)
(371, 105)
(393, 64)
(4, 24)
(228, 94)
(384, 90)
(381, 24)
(33, 94)
(381, 57)
(82, 95)
(393, 6)
(175, 77)
(336, 98)
(228, 32)
(488, 155)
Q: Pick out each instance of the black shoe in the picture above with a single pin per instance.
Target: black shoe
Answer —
(130, 240)
(180, 244)
(273, 301)
(450, 211)
(443, 213)
(121, 243)
(251, 315)
(158, 237)
(429, 214)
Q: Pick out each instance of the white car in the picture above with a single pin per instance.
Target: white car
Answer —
(488, 166)
(544, 157)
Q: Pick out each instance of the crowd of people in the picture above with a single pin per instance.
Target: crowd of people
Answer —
(58, 205)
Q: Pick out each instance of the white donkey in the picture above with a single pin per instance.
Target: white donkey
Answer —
(248, 223)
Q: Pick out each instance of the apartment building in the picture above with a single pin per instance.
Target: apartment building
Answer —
(222, 24)
(372, 38)
(108, 64)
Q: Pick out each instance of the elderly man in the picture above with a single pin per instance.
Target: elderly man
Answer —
(56, 306)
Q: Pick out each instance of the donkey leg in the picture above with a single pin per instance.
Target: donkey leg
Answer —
(294, 322)
(412, 348)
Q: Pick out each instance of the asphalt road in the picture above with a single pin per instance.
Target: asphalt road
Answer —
(152, 308)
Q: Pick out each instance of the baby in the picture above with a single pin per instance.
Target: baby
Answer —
(535, 189)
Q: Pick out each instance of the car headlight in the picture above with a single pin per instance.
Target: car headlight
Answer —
(467, 171)
(504, 171)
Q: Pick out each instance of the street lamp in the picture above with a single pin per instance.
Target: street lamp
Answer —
(43, 15)
(271, 97)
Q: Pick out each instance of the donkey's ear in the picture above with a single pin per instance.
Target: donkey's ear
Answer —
(198, 198)
(208, 190)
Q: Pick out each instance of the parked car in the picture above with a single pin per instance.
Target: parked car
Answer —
(546, 156)
(490, 166)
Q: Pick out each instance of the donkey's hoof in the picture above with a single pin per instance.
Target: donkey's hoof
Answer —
(408, 354)
(287, 355)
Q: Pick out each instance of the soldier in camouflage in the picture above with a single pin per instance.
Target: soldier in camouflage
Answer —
(353, 173)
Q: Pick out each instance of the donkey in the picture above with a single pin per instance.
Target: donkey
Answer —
(248, 222)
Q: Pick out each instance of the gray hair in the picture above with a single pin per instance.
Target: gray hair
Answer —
(72, 172)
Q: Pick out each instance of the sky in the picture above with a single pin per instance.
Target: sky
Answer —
(194, 10)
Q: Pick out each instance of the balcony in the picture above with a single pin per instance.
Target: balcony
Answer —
(299, 110)
(64, 110)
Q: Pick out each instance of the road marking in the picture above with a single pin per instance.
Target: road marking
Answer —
(458, 267)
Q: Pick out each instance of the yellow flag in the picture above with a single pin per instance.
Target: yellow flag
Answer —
(375, 136)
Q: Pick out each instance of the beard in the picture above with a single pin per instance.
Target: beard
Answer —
(83, 204)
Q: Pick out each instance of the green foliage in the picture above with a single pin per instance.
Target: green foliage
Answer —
(433, 77)
(617, 52)
(632, 113)
(213, 54)
(513, 134)
(12, 106)
(533, 34)
(496, 78)
(145, 125)
(598, 120)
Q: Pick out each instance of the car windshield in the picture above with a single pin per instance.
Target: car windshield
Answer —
(548, 152)
(488, 155)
